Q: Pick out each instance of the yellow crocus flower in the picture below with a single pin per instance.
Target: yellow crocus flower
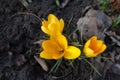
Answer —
(53, 26)
(57, 48)
(94, 47)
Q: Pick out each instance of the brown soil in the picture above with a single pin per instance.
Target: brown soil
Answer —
(18, 32)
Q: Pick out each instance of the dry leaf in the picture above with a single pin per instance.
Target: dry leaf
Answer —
(87, 26)
(39, 42)
(64, 3)
(42, 63)
(100, 15)
(115, 38)
(115, 4)
(24, 3)
(93, 23)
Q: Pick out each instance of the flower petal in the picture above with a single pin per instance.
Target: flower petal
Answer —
(45, 23)
(57, 56)
(54, 29)
(72, 52)
(96, 45)
(89, 52)
(93, 47)
(45, 30)
(103, 47)
(53, 19)
(62, 41)
(46, 55)
(53, 26)
(93, 39)
(87, 44)
(61, 25)
(51, 47)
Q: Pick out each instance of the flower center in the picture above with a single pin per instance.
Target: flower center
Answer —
(60, 50)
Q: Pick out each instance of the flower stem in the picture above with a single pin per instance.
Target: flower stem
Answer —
(55, 67)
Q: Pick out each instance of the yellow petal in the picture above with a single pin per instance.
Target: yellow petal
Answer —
(44, 27)
(45, 23)
(53, 25)
(96, 45)
(51, 47)
(62, 41)
(72, 52)
(102, 49)
(92, 39)
(61, 25)
(87, 44)
(89, 52)
(54, 29)
(57, 56)
(45, 30)
(53, 19)
(46, 55)
(93, 47)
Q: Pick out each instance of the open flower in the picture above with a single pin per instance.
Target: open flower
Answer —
(53, 26)
(58, 48)
(94, 47)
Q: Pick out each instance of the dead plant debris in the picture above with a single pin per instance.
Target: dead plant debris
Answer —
(115, 4)
(93, 23)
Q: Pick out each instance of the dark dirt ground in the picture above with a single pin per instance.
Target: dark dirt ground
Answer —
(19, 32)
